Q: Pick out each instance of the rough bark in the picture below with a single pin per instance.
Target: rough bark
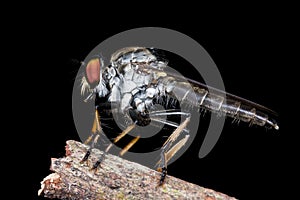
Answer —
(117, 178)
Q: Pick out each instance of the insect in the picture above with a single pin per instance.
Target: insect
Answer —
(132, 85)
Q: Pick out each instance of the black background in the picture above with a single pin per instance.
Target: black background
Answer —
(247, 162)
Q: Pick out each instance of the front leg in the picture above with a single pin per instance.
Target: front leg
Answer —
(95, 134)
(96, 131)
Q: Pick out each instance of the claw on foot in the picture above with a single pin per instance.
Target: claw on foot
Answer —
(96, 165)
(85, 158)
(163, 175)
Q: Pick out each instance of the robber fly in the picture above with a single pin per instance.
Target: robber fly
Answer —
(136, 80)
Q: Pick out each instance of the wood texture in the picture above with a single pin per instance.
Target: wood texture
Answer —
(117, 178)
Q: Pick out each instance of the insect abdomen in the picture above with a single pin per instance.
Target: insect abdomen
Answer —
(230, 105)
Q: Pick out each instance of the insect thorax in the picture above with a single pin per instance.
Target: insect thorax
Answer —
(134, 78)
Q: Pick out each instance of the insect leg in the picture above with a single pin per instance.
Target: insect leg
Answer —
(176, 147)
(96, 130)
(154, 115)
(100, 159)
(127, 130)
(129, 145)
(168, 151)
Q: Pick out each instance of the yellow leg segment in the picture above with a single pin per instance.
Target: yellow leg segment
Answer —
(127, 130)
(129, 145)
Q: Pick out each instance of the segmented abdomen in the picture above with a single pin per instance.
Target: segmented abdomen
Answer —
(223, 103)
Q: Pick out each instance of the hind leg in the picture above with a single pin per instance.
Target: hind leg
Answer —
(168, 151)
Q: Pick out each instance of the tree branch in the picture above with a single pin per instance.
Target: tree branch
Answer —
(117, 178)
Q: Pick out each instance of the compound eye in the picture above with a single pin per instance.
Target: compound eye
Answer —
(92, 71)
